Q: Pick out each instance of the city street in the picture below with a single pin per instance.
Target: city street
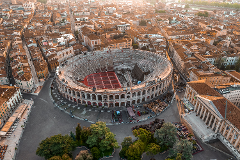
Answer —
(33, 72)
(46, 120)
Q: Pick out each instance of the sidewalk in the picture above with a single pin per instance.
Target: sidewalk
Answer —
(13, 140)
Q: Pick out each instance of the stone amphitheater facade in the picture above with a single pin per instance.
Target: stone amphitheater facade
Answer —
(77, 68)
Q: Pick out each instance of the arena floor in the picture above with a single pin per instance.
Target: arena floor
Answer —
(102, 80)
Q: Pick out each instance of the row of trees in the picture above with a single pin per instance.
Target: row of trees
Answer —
(97, 137)
(163, 139)
(42, 1)
(203, 14)
(219, 64)
(160, 11)
(216, 4)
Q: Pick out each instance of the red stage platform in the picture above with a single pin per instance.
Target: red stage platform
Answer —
(102, 80)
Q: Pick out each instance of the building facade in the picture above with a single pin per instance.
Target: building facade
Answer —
(218, 114)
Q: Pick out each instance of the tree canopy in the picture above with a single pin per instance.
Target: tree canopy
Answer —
(42, 1)
(187, 6)
(84, 155)
(127, 141)
(78, 133)
(237, 65)
(182, 148)
(56, 145)
(203, 14)
(144, 135)
(153, 149)
(101, 137)
(218, 4)
(85, 133)
(64, 157)
(95, 153)
(143, 23)
(166, 135)
(135, 151)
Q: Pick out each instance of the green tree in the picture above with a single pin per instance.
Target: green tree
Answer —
(219, 61)
(76, 33)
(55, 158)
(84, 155)
(73, 136)
(55, 146)
(222, 67)
(78, 133)
(143, 23)
(228, 67)
(166, 135)
(215, 43)
(237, 65)
(64, 157)
(160, 11)
(144, 48)
(86, 132)
(108, 143)
(153, 149)
(123, 151)
(170, 20)
(95, 153)
(127, 141)
(184, 147)
(144, 135)
(135, 151)
(135, 46)
(42, 1)
(203, 14)
(179, 156)
(101, 137)
(232, 67)
(187, 6)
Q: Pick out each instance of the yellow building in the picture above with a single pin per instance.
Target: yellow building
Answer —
(211, 78)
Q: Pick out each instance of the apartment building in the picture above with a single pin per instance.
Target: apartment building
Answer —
(119, 44)
(212, 77)
(10, 97)
(3, 72)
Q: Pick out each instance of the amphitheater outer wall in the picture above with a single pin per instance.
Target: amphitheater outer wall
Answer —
(116, 98)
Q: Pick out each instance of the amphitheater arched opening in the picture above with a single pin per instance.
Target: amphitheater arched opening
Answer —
(110, 97)
(94, 97)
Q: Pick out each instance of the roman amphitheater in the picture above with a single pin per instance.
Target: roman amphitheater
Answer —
(114, 78)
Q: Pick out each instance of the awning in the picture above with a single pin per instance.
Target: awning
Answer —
(130, 112)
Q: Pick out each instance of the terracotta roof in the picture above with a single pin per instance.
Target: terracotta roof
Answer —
(233, 112)
(7, 92)
(203, 89)
(235, 74)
